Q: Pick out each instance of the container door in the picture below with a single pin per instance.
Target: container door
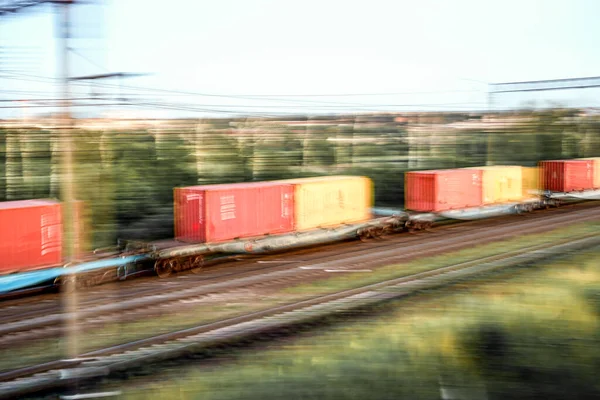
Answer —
(189, 215)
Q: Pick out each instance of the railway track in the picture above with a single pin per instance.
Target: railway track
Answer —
(104, 362)
(146, 284)
(33, 326)
(269, 275)
(45, 303)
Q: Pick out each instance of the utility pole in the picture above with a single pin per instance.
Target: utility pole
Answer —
(66, 161)
(489, 145)
(67, 183)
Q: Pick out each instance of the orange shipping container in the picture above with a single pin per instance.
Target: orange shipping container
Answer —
(215, 213)
(443, 190)
(596, 170)
(565, 176)
(30, 234)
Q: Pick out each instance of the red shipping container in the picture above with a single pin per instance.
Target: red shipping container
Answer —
(567, 175)
(30, 234)
(216, 213)
(443, 190)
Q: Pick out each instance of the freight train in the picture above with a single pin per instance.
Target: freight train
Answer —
(213, 221)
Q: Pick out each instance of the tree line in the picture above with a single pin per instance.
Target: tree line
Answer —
(126, 178)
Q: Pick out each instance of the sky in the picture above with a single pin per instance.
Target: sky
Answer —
(267, 57)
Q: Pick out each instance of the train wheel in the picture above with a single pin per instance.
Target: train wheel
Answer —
(377, 232)
(83, 283)
(67, 283)
(164, 268)
(416, 227)
(365, 235)
(70, 283)
(197, 264)
(399, 227)
(386, 232)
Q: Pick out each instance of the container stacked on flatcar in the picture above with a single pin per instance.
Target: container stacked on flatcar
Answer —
(438, 191)
(564, 176)
(531, 182)
(501, 184)
(443, 190)
(31, 235)
(595, 170)
(217, 213)
(330, 201)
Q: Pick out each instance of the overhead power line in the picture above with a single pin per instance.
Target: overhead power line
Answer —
(262, 97)
(16, 6)
(58, 106)
(543, 85)
(361, 94)
(43, 100)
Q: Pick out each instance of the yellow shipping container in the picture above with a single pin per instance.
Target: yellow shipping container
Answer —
(501, 183)
(331, 200)
(531, 181)
(596, 161)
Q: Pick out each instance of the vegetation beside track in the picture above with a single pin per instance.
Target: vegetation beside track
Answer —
(536, 335)
(220, 307)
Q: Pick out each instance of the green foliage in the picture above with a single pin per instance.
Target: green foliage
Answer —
(470, 149)
(512, 148)
(127, 178)
(536, 336)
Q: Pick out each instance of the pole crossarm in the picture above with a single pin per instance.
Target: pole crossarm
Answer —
(553, 84)
(105, 76)
(12, 7)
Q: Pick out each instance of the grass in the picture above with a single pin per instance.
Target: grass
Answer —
(118, 332)
(533, 336)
